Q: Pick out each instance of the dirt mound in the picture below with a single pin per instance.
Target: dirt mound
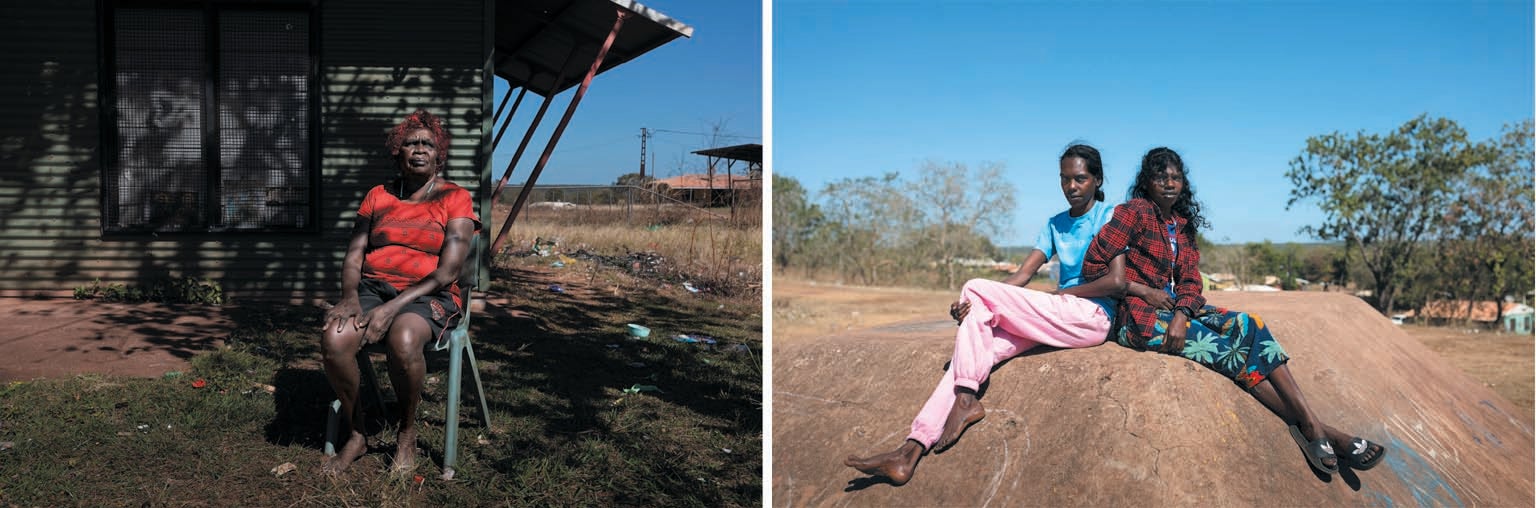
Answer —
(1108, 426)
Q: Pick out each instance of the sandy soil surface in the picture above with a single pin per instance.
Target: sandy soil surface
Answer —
(57, 337)
(804, 310)
(1500, 361)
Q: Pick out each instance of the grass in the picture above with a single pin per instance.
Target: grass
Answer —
(563, 430)
(696, 245)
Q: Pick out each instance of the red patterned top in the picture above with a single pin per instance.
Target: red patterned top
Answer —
(404, 238)
(1138, 229)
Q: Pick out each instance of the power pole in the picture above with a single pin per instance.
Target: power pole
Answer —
(643, 135)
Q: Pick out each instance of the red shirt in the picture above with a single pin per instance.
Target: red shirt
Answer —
(1140, 231)
(404, 239)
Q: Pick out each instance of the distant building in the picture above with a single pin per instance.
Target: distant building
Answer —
(1254, 288)
(1516, 317)
(701, 189)
(1219, 281)
(1519, 319)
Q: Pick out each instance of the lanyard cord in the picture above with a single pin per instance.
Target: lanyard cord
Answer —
(1173, 244)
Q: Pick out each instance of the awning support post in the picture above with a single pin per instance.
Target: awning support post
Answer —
(565, 120)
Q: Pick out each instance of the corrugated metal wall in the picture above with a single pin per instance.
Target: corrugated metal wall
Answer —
(380, 60)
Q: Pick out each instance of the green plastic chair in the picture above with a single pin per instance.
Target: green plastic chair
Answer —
(457, 343)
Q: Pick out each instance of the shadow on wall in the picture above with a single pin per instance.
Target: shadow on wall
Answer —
(51, 183)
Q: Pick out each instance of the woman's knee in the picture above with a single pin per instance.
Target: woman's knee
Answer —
(407, 336)
(975, 286)
(1253, 320)
(343, 344)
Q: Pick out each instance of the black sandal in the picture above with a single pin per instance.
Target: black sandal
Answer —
(1317, 451)
(1358, 446)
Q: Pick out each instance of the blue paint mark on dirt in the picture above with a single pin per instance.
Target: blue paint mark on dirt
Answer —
(1381, 499)
(1478, 428)
(1426, 484)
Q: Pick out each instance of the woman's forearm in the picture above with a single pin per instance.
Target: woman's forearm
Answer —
(1027, 270)
(1138, 290)
(352, 264)
(1113, 284)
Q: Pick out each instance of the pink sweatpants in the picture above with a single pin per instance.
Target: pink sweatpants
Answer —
(1004, 321)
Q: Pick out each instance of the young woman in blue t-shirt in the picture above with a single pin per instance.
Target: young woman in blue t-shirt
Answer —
(1000, 320)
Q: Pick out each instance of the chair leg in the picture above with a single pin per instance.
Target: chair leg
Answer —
(333, 416)
(451, 448)
(474, 369)
(332, 421)
(370, 378)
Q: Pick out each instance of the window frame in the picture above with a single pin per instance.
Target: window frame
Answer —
(107, 103)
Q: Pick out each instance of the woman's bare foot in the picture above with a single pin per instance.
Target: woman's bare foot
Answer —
(897, 464)
(355, 447)
(966, 411)
(1344, 445)
(405, 450)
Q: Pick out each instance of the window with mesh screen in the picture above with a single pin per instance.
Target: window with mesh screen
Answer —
(212, 120)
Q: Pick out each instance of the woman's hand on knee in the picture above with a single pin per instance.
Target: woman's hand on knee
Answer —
(959, 310)
(346, 310)
(377, 322)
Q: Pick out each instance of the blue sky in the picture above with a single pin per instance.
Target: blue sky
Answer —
(687, 85)
(864, 88)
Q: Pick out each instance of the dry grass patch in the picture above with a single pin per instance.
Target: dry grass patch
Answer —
(692, 245)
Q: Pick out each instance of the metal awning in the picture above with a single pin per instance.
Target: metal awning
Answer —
(547, 46)
(751, 152)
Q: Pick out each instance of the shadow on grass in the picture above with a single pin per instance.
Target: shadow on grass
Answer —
(301, 402)
(555, 368)
(567, 359)
(581, 365)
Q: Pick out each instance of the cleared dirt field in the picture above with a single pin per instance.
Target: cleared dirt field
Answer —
(1500, 361)
(804, 310)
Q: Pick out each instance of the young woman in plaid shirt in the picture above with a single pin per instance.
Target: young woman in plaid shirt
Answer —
(1009, 319)
(1154, 233)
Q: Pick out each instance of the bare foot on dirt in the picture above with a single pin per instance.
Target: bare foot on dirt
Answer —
(896, 464)
(405, 451)
(966, 411)
(355, 447)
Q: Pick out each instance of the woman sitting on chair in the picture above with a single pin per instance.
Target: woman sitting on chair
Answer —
(399, 282)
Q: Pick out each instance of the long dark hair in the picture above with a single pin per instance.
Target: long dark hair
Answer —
(1155, 161)
(1090, 157)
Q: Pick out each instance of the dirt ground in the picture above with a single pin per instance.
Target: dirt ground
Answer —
(805, 310)
(1500, 361)
(60, 337)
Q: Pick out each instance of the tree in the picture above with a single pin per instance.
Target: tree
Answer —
(1383, 195)
(633, 180)
(960, 207)
(795, 220)
(1317, 265)
(872, 214)
(1491, 222)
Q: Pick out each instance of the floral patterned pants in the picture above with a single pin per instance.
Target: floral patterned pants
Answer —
(1235, 344)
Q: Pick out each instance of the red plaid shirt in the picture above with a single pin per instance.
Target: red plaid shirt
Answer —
(1138, 230)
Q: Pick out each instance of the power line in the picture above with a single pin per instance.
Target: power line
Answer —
(703, 134)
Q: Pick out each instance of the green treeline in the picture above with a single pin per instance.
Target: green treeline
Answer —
(888, 231)
(1416, 214)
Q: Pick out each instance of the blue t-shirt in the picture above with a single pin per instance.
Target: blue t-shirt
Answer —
(1068, 238)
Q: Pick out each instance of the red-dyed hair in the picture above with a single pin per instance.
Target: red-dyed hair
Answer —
(421, 119)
